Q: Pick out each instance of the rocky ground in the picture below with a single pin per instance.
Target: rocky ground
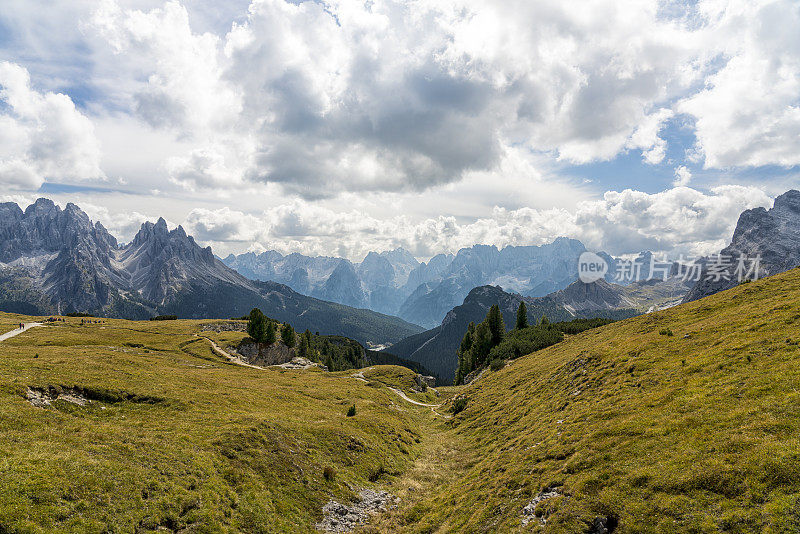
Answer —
(344, 518)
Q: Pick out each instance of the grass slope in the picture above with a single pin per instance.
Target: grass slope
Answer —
(698, 431)
(177, 438)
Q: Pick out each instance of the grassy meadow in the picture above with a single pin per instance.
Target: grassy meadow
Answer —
(684, 420)
(176, 438)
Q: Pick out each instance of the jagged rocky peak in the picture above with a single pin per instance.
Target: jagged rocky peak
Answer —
(789, 201)
(599, 294)
(40, 207)
(159, 241)
(44, 228)
(9, 212)
(772, 236)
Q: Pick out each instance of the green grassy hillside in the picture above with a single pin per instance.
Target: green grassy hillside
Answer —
(686, 420)
(176, 438)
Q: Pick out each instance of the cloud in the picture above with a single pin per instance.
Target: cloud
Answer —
(325, 98)
(679, 220)
(42, 135)
(682, 176)
(748, 112)
(122, 225)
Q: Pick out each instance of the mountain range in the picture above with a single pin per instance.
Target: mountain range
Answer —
(395, 282)
(55, 260)
(59, 261)
(771, 235)
(436, 348)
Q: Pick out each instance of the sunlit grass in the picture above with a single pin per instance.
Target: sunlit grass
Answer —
(695, 432)
(217, 447)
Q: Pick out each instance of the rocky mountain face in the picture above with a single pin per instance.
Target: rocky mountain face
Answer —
(58, 261)
(394, 282)
(376, 283)
(530, 271)
(436, 348)
(772, 235)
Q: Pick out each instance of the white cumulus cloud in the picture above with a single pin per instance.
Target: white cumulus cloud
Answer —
(679, 220)
(42, 135)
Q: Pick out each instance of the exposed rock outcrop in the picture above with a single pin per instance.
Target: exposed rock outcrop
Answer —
(264, 355)
(530, 513)
(423, 382)
(344, 518)
(42, 398)
(772, 235)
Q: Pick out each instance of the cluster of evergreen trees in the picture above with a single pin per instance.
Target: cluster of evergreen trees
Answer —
(262, 329)
(488, 341)
(336, 352)
(480, 339)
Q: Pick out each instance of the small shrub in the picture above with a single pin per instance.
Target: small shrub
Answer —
(666, 332)
(164, 318)
(497, 364)
(329, 473)
(459, 405)
(351, 411)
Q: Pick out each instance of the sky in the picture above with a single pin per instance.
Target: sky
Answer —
(340, 127)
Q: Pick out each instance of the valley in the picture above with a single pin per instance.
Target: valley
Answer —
(399, 267)
(679, 419)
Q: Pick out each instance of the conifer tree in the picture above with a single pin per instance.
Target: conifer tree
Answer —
(303, 349)
(466, 341)
(271, 335)
(481, 345)
(257, 326)
(464, 364)
(287, 335)
(545, 321)
(522, 316)
(497, 328)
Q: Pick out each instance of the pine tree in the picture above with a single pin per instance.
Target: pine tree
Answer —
(271, 335)
(481, 345)
(287, 335)
(257, 325)
(545, 321)
(303, 349)
(497, 328)
(464, 364)
(522, 316)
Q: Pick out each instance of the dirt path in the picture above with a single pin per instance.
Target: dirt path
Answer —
(360, 376)
(18, 331)
(225, 354)
(412, 401)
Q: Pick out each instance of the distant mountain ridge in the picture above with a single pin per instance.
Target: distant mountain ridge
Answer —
(436, 348)
(395, 282)
(58, 261)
